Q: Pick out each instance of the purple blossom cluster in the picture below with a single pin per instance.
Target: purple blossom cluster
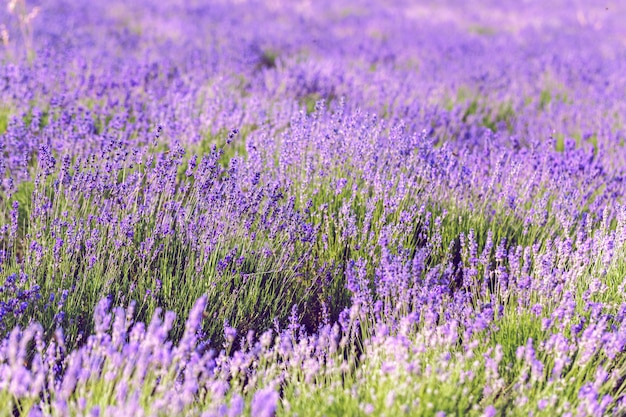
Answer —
(312, 208)
(16, 300)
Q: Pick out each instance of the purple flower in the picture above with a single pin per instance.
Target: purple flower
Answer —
(236, 406)
(490, 411)
(264, 403)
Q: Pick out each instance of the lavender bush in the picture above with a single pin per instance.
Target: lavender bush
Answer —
(319, 208)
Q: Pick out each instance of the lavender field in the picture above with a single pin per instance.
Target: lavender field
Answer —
(312, 208)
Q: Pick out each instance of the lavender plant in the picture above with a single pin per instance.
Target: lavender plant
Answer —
(312, 208)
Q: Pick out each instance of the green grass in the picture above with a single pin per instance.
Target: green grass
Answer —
(5, 114)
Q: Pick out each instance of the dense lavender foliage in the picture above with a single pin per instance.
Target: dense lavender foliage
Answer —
(312, 208)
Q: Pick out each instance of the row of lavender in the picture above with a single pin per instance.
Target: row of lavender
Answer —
(359, 209)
